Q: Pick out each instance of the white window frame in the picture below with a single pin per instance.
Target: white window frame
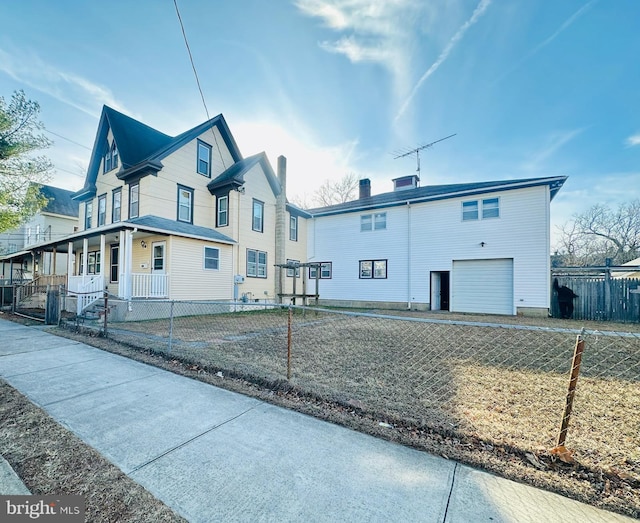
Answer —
(256, 268)
(366, 222)
(116, 210)
(326, 271)
(223, 212)
(470, 211)
(293, 272)
(204, 170)
(88, 214)
(102, 210)
(257, 216)
(293, 228)
(490, 208)
(211, 254)
(134, 190)
(185, 204)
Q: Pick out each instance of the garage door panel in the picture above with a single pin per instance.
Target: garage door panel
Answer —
(482, 286)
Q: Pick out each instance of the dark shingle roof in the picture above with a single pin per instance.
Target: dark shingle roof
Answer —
(156, 223)
(59, 201)
(437, 192)
(234, 175)
(141, 148)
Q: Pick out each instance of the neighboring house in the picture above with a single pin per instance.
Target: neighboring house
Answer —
(632, 274)
(184, 217)
(56, 220)
(474, 247)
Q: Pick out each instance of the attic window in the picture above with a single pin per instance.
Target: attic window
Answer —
(110, 158)
(204, 159)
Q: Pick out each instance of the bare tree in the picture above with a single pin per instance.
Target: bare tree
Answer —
(339, 191)
(591, 237)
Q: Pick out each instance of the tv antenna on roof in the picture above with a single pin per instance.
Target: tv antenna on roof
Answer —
(418, 149)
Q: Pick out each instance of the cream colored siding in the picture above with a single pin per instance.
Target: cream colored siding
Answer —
(257, 187)
(189, 280)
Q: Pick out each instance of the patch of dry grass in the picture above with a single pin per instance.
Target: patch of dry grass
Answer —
(50, 460)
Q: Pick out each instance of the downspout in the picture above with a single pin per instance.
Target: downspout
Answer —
(409, 301)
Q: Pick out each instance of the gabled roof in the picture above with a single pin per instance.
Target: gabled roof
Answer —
(234, 175)
(59, 201)
(141, 148)
(437, 192)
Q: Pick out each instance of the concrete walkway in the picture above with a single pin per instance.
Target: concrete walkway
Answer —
(213, 455)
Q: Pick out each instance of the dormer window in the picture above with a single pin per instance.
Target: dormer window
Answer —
(110, 157)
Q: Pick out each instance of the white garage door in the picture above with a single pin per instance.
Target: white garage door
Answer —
(484, 286)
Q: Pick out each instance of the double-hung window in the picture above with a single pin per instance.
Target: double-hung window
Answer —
(102, 210)
(293, 228)
(134, 200)
(485, 209)
(257, 222)
(88, 214)
(223, 211)
(204, 159)
(256, 263)
(185, 204)
(490, 208)
(373, 222)
(211, 258)
(325, 271)
(470, 210)
(116, 205)
(110, 160)
(373, 269)
(293, 269)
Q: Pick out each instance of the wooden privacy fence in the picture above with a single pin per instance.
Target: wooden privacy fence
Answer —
(600, 298)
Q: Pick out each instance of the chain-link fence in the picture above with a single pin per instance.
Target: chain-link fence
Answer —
(502, 384)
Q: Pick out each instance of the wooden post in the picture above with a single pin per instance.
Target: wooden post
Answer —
(575, 372)
(289, 322)
(106, 309)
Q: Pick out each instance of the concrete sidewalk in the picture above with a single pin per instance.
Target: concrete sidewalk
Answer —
(214, 455)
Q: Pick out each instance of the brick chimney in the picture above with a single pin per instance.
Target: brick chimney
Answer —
(365, 188)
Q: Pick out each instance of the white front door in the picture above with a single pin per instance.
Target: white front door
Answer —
(158, 266)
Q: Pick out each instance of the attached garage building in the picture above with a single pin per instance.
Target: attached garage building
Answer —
(483, 286)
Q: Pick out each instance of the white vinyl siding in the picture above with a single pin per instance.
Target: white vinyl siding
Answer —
(483, 286)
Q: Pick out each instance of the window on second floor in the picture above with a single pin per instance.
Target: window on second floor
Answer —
(185, 204)
(116, 205)
(293, 228)
(294, 270)
(134, 200)
(373, 222)
(88, 214)
(487, 208)
(102, 210)
(257, 223)
(204, 159)
(223, 211)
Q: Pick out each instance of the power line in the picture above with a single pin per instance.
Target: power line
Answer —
(67, 139)
(195, 73)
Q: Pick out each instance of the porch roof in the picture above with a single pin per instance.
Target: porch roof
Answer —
(148, 224)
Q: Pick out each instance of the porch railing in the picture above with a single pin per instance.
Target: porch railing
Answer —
(88, 290)
(149, 285)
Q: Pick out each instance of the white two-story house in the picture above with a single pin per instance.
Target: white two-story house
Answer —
(474, 247)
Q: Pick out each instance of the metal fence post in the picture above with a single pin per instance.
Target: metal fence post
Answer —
(170, 327)
(573, 381)
(289, 322)
(106, 311)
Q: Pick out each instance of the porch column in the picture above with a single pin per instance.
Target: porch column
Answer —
(103, 260)
(128, 261)
(33, 265)
(85, 258)
(11, 271)
(54, 260)
(69, 261)
(121, 259)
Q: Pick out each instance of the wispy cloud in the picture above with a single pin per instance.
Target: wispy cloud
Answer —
(553, 143)
(565, 25)
(77, 92)
(477, 13)
(633, 140)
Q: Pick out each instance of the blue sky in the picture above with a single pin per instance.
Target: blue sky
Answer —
(530, 87)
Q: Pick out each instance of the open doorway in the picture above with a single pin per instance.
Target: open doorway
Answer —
(440, 290)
